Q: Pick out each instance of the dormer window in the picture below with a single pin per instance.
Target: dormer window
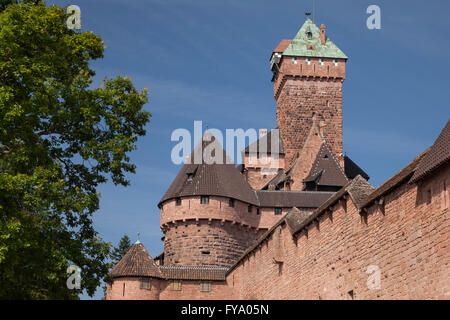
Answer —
(190, 172)
(204, 200)
(309, 35)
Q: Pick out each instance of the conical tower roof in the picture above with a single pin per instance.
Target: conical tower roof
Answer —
(200, 177)
(137, 262)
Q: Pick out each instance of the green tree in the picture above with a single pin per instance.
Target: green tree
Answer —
(121, 249)
(116, 255)
(59, 140)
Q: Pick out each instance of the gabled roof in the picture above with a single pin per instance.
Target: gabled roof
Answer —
(136, 262)
(210, 179)
(300, 46)
(282, 46)
(439, 153)
(326, 171)
(352, 169)
(267, 140)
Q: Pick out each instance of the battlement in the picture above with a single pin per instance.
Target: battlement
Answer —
(307, 69)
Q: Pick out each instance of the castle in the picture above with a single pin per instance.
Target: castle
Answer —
(299, 220)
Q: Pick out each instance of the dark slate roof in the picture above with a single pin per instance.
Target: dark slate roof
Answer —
(194, 272)
(439, 153)
(276, 180)
(268, 140)
(326, 171)
(210, 179)
(136, 262)
(352, 169)
(289, 199)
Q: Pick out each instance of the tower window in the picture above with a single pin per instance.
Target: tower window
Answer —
(308, 61)
(205, 286)
(278, 211)
(189, 176)
(176, 285)
(204, 200)
(258, 211)
(231, 203)
(294, 61)
(146, 284)
(335, 62)
(321, 62)
(178, 202)
(250, 208)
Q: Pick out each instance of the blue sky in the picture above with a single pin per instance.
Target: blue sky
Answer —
(209, 60)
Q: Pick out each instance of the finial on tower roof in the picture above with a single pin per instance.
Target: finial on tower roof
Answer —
(137, 241)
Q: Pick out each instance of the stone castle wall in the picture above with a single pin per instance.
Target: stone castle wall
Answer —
(211, 234)
(407, 242)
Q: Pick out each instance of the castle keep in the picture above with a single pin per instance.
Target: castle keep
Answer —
(298, 219)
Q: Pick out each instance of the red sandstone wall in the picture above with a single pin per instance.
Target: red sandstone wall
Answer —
(191, 290)
(300, 91)
(409, 243)
(261, 171)
(202, 243)
(217, 228)
(132, 290)
(218, 208)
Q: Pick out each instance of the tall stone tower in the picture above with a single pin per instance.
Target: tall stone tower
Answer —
(308, 72)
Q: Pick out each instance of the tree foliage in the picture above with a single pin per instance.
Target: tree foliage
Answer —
(121, 249)
(59, 140)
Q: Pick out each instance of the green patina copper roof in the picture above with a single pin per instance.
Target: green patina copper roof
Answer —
(299, 45)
